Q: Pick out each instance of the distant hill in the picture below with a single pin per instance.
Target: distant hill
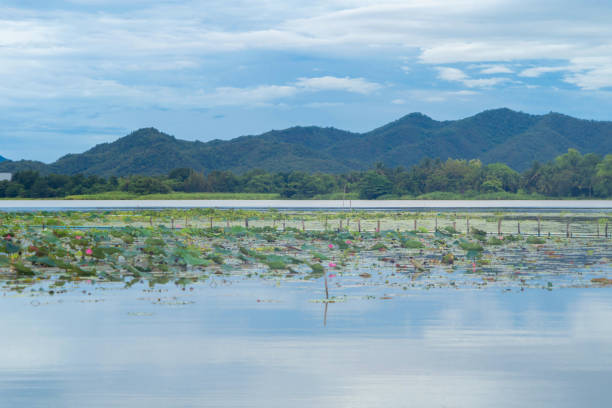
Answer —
(2, 159)
(499, 135)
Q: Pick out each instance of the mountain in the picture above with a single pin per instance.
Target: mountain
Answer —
(499, 135)
(2, 159)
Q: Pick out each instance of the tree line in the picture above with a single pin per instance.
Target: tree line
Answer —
(569, 175)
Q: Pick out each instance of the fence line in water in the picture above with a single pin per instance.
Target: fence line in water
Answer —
(528, 226)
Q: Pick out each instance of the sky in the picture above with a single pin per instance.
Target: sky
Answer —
(76, 73)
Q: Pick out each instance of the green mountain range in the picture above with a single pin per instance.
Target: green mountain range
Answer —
(2, 159)
(501, 135)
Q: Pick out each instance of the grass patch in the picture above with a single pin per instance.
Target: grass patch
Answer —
(122, 195)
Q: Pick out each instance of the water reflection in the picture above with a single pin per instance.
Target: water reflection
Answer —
(256, 344)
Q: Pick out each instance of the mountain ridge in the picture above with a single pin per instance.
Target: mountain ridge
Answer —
(495, 135)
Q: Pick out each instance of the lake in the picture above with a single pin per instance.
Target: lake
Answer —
(144, 314)
(262, 344)
(32, 205)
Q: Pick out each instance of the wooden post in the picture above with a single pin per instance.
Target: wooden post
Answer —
(567, 230)
(303, 225)
(172, 223)
(359, 225)
(377, 225)
(539, 226)
(436, 227)
(150, 221)
(606, 229)
(284, 224)
(326, 289)
(467, 225)
(415, 223)
(455, 225)
(518, 226)
(227, 223)
(598, 229)
(210, 221)
(246, 223)
(340, 225)
(499, 226)
(326, 223)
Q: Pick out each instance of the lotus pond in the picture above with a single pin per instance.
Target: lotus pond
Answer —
(38, 254)
(266, 308)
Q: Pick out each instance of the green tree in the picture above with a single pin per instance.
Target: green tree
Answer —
(373, 185)
(603, 177)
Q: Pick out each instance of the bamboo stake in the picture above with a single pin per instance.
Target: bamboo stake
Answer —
(538, 226)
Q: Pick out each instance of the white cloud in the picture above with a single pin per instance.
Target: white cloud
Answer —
(456, 75)
(593, 79)
(538, 71)
(330, 83)
(443, 32)
(484, 82)
(451, 74)
(496, 69)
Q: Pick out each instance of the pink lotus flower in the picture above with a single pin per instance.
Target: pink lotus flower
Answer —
(78, 237)
(332, 265)
(88, 251)
(331, 246)
(349, 242)
(332, 275)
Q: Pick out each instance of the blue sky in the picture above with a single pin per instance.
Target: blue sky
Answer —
(76, 73)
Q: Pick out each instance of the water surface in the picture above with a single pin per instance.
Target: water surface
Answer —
(24, 205)
(258, 343)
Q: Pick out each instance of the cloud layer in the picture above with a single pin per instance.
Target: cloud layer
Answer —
(98, 56)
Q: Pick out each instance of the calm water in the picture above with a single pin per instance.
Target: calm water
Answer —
(25, 205)
(257, 343)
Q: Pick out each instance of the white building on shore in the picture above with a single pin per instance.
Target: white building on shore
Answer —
(6, 176)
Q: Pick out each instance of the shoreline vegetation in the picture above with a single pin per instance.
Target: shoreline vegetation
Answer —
(440, 195)
(569, 176)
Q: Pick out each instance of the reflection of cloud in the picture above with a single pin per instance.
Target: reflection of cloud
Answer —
(462, 349)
